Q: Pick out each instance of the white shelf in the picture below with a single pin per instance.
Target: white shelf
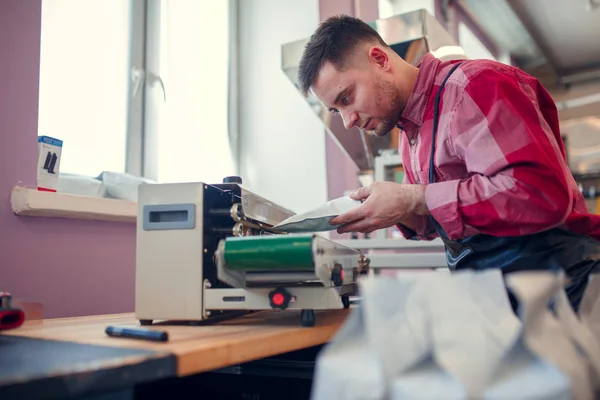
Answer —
(34, 203)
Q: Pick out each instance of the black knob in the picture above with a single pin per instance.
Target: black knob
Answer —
(233, 179)
(337, 274)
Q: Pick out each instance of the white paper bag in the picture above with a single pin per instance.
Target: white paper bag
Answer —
(589, 309)
(317, 220)
(559, 339)
(439, 336)
(357, 363)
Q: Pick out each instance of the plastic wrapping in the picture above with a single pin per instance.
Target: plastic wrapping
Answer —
(80, 185)
(122, 186)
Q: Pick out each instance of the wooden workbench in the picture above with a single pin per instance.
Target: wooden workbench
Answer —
(190, 349)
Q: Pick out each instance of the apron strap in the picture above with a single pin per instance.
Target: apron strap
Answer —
(436, 112)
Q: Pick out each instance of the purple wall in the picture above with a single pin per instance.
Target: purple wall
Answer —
(72, 267)
(341, 173)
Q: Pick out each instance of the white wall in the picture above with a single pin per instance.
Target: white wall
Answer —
(282, 143)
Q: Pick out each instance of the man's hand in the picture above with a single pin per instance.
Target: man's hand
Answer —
(384, 204)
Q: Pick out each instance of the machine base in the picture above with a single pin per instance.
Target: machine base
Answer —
(222, 304)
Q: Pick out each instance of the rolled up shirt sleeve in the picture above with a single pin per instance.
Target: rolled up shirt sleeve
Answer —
(417, 227)
(518, 180)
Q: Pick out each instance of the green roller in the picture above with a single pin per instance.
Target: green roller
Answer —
(269, 253)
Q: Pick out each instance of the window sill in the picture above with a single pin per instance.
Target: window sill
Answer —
(33, 203)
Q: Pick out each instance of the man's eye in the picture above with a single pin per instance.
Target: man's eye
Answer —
(334, 111)
(345, 100)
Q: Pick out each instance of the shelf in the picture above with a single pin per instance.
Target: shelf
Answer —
(33, 203)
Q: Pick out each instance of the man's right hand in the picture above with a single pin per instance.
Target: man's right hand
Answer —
(384, 204)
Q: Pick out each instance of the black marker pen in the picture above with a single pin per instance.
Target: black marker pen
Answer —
(137, 333)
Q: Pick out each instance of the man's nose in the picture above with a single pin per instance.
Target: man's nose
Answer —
(349, 119)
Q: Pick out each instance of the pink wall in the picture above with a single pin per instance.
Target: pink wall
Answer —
(72, 267)
(341, 173)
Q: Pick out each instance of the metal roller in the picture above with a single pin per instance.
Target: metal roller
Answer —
(269, 253)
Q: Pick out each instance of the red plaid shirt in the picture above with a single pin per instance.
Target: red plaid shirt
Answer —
(500, 163)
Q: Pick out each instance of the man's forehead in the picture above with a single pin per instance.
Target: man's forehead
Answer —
(328, 83)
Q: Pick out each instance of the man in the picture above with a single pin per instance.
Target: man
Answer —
(485, 166)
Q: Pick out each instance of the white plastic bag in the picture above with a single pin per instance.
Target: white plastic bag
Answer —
(120, 185)
(434, 336)
(80, 185)
(317, 220)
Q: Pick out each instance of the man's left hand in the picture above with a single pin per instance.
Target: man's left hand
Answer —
(384, 204)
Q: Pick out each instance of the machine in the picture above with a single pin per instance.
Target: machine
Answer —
(208, 251)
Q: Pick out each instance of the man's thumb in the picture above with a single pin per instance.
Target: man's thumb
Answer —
(361, 193)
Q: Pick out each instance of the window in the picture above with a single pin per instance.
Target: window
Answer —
(138, 86)
(192, 135)
(84, 75)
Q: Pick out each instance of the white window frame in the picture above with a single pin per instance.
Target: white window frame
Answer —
(134, 161)
(142, 129)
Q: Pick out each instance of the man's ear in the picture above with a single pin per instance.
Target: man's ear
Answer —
(379, 56)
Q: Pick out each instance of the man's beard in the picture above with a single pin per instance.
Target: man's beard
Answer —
(387, 90)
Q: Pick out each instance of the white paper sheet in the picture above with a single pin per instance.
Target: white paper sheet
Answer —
(317, 220)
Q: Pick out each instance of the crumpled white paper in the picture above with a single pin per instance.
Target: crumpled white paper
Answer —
(439, 336)
(317, 220)
(589, 309)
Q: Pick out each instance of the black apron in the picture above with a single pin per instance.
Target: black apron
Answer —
(553, 250)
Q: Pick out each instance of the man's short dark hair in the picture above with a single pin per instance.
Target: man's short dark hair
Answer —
(333, 41)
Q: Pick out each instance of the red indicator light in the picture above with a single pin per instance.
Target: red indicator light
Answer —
(277, 299)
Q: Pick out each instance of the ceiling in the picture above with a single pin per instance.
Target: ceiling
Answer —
(557, 41)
